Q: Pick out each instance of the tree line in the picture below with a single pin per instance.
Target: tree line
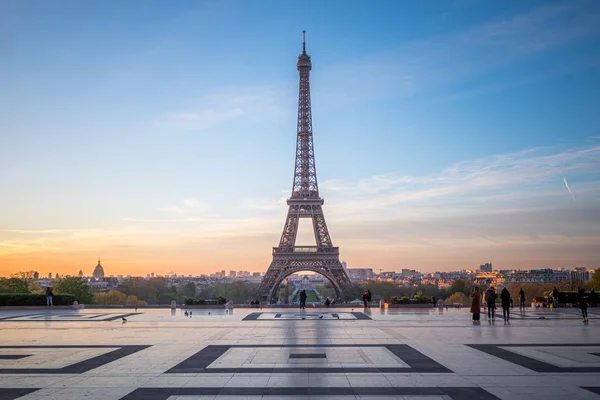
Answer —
(141, 291)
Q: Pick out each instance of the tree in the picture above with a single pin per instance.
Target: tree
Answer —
(29, 277)
(75, 287)
(145, 289)
(457, 298)
(112, 297)
(460, 285)
(594, 282)
(134, 301)
(189, 289)
(13, 285)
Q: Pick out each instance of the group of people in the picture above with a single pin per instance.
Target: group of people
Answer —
(489, 302)
(490, 296)
(302, 298)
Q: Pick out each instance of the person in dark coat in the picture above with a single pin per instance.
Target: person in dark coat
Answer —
(49, 296)
(476, 304)
(366, 299)
(303, 299)
(506, 300)
(490, 299)
(555, 297)
(583, 305)
(593, 298)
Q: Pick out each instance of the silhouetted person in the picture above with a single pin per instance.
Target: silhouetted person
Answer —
(369, 295)
(521, 300)
(327, 302)
(555, 297)
(583, 305)
(475, 304)
(49, 296)
(506, 300)
(490, 299)
(365, 299)
(302, 299)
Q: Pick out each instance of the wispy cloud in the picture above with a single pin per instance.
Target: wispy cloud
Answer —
(521, 179)
(186, 206)
(254, 103)
(437, 63)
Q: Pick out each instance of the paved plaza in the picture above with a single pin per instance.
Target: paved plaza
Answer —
(269, 353)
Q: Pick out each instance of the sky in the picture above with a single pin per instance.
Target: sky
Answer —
(160, 136)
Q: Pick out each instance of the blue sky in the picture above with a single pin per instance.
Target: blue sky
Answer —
(161, 134)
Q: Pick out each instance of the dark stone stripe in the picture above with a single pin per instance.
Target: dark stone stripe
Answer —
(309, 355)
(77, 368)
(199, 361)
(456, 393)
(15, 393)
(592, 389)
(13, 356)
(530, 363)
(119, 316)
(252, 316)
(417, 362)
(361, 316)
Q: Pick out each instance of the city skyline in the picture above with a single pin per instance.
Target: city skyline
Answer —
(465, 134)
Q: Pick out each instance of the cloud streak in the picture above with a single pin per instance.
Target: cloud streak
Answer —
(568, 188)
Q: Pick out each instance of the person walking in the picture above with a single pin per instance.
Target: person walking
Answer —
(506, 300)
(369, 297)
(555, 297)
(490, 299)
(521, 300)
(365, 299)
(49, 296)
(583, 305)
(303, 299)
(475, 304)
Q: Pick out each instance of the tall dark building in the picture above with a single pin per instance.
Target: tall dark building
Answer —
(487, 267)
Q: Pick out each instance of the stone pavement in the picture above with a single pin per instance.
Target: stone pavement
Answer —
(339, 353)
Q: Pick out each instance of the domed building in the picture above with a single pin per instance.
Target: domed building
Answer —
(98, 272)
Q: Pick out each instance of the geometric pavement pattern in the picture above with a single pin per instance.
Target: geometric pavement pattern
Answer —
(427, 354)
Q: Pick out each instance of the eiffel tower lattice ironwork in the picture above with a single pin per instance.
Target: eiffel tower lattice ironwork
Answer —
(304, 203)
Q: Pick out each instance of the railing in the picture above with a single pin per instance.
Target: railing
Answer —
(305, 249)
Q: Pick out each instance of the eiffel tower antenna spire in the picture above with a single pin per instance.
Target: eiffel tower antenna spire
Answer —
(304, 202)
(303, 42)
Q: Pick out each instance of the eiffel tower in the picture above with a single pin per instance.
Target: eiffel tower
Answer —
(304, 203)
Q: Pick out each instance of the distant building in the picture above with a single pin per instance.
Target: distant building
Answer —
(49, 275)
(360, 274)
(232, 274)
(36, 275)
(98, 272)
(580, 275)
(256, 274)
(487, 267)
(80, 273)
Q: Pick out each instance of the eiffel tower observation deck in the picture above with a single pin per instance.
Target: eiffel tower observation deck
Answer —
(304, 202)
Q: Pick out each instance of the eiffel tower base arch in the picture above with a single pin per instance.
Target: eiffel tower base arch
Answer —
(283, 265)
